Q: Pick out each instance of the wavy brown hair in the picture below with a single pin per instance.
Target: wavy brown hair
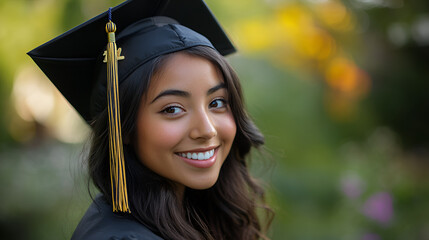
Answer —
(225, 211)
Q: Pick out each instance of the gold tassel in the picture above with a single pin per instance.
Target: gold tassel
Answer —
(117, 168)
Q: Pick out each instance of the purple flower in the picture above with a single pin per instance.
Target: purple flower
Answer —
(379, 208)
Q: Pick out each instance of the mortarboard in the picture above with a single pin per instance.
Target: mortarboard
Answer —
(71, 60)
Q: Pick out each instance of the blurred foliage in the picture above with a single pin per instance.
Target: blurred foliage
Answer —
(337, 87)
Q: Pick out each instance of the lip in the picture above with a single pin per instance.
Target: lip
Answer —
(201, 163)
(200, 149)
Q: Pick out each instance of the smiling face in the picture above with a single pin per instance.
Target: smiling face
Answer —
(185, 128)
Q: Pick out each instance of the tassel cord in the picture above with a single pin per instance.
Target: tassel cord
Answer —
(117, 163)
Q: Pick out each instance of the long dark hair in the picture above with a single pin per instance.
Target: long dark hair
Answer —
(225, 211)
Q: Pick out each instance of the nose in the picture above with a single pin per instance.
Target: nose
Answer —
(202, 126)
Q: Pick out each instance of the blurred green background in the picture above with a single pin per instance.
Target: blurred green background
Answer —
(339, 88)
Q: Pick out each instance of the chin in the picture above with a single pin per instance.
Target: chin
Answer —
(202, 185)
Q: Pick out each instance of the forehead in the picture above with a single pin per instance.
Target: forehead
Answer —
(185, 71)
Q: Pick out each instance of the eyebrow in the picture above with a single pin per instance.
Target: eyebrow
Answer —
(171, 92)
(215, 88)
(180, 93)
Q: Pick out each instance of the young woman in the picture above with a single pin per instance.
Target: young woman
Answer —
(185, 136)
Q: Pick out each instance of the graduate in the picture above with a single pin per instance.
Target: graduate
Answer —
(170, 133)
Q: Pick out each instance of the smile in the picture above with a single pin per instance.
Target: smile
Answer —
(198, 155)
(200, 158)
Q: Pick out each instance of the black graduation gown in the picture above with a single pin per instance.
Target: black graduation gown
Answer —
(99, 222)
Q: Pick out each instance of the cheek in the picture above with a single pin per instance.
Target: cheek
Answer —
(159, 134)
(227, 129)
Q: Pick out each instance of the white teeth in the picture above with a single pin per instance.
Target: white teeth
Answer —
(198, 156)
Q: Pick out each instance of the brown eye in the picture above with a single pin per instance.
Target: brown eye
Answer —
(172, 110)
(217, 103)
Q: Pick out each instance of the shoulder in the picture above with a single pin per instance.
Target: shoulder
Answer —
(99, 222)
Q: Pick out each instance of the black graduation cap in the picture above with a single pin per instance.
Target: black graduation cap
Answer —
(145, 29)
(70, 59)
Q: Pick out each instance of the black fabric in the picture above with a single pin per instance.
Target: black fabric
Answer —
(71, 60)
(100, 223)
